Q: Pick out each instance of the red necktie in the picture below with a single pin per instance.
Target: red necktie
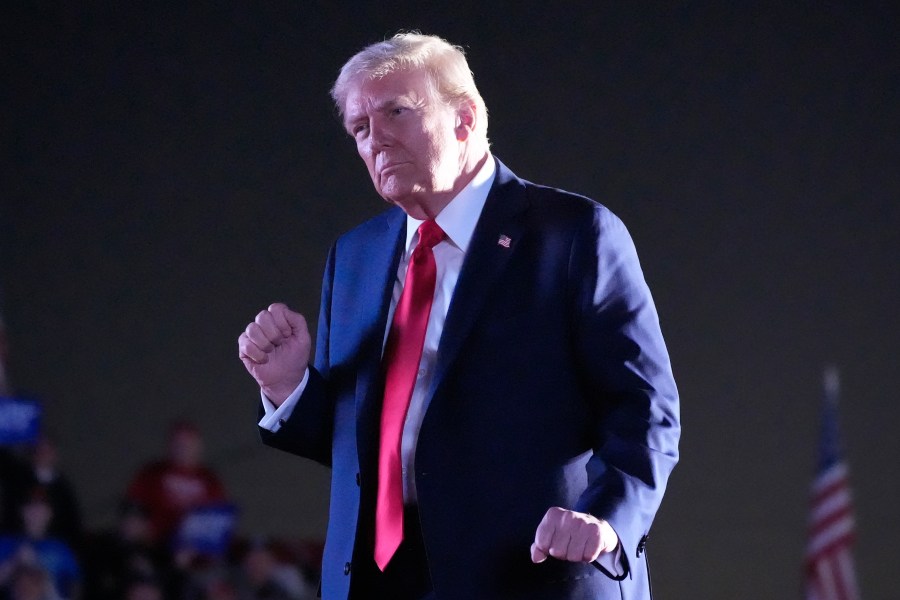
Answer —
(402, 355)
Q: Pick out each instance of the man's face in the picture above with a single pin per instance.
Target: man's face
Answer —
(411, 143)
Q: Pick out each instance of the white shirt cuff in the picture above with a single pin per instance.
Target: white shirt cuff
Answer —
(612, 561)
(275, 416)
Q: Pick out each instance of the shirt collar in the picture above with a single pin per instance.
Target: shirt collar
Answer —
(459, 217)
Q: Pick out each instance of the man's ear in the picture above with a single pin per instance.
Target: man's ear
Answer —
(466, 117)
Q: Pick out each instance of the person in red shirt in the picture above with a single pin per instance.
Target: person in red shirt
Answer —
(168, 489)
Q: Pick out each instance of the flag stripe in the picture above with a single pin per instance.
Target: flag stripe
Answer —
(826, 509)
(826, 586)
(848, 574)
(826, 479)
(836, 546)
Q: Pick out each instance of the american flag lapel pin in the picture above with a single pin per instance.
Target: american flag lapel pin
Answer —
(504, 241)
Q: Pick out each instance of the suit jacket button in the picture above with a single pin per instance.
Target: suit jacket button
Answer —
(281, 422)
(346, 568)
(642, 545)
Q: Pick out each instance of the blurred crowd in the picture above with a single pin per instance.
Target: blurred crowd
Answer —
(151, 552)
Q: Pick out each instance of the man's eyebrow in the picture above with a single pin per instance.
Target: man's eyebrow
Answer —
(382, 105)
(353, 117)
(387, 104)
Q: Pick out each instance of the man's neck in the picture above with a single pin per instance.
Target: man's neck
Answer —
(431, 206)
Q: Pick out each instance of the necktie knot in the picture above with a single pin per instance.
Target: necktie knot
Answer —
(430, 234)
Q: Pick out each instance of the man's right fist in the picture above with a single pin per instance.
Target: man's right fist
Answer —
(275, 350)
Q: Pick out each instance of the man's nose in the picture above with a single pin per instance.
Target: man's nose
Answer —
(379, 136)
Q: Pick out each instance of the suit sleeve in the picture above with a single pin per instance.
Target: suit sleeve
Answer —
(308, 430)
(625, 370)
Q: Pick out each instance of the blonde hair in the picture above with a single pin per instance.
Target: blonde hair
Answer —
(448, 75)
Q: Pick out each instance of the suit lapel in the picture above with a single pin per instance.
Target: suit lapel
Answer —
(377, 261)
(494, 241)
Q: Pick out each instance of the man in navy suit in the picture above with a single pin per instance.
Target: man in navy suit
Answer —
(542, 422)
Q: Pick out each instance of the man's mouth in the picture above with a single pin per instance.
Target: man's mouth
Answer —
(390, 166)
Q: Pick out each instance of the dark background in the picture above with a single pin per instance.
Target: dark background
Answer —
(168, 171)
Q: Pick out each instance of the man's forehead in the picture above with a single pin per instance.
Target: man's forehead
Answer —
(369, 92)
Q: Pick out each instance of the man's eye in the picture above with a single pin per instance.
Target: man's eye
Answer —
(358, 129)
(398, 110)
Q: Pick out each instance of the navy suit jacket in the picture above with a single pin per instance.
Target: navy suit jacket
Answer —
(552, 388)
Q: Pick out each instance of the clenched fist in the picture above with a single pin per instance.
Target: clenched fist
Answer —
(275, 350)
(573, 536)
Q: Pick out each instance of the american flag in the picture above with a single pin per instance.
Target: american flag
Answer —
(830, 574)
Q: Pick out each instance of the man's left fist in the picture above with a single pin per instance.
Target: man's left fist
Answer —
(573, 536)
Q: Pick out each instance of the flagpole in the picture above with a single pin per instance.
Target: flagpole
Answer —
(831, 384)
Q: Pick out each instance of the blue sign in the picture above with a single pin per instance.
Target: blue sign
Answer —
(207, 530)
(20, 421)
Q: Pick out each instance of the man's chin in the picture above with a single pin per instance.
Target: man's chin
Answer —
(394, 194)
(411, 204)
